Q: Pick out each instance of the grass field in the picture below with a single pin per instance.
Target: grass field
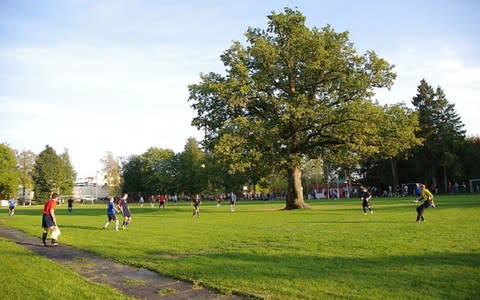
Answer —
(26, 275)
(332, 251)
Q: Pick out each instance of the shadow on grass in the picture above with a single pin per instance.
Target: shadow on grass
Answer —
(80, 227)
(425, 275)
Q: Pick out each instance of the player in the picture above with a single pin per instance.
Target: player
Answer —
(427, 198)
(49, 221)
(70, 205)
(220, 199)
(111, 213)
(366, 196)
(233, 200)
(417, 193)
(162, 200)
(196, 206)
(11, 207)
(122, 205)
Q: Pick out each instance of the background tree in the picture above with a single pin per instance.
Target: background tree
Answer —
(158, 170)
(132, 175)
(470, 154)
(67, 175)
(9, 175)
(193, 177)
(26, 163)
(112, 173)
(290, 94)
(442, 130)
(47, 174)
(396, 138)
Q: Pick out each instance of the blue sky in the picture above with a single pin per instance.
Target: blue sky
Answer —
(98, 76)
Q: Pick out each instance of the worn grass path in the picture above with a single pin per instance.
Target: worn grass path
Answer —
(134, 282)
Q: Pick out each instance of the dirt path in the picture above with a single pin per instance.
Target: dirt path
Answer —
(134, 282)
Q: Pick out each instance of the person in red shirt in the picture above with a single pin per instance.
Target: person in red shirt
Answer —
(49, 221)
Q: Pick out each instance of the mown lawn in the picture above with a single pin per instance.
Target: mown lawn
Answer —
(26, 275)
(330, 251)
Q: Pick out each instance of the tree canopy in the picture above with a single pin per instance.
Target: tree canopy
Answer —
(291, 93)
(9, 175)
(52, 173)
(26, 163)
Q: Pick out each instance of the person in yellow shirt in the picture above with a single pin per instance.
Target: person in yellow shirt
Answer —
(427, 198)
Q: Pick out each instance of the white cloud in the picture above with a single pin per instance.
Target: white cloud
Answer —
(443, 66)
(93, 100)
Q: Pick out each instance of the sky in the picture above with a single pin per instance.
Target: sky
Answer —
(93, 77)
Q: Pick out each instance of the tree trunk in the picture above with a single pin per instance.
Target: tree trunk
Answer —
(393, 163)
(295, 189)
(445, 179)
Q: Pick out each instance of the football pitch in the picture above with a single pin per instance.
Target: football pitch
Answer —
(331, 251)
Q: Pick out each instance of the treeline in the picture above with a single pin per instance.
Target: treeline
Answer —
(445, 156)
(43, 174)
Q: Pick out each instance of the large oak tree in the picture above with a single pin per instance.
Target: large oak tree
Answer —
(292, 93)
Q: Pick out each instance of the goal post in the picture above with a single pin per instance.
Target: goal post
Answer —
(474, 185)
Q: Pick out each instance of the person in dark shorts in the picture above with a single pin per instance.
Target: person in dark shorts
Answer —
(111, 213)
(196, 205)
(11, 207)
(233, 201)
(70, 205)
(122, 205)
(427, 198)
(49, 221)
(366, 196)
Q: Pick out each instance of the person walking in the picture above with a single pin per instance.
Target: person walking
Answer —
(111, 214)
(49, 221)
(427, 198)
(123, 207)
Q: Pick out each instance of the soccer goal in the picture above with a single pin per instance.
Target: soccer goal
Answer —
(474, 185)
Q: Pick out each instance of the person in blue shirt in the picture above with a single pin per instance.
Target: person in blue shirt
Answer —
(417, 193)
(11, 207)
(111, 214)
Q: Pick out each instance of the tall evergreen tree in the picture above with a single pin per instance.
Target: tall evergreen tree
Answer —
(442, 131)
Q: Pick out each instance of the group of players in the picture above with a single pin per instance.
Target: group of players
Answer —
(121, 207)
(421, 194)
(49, 222)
